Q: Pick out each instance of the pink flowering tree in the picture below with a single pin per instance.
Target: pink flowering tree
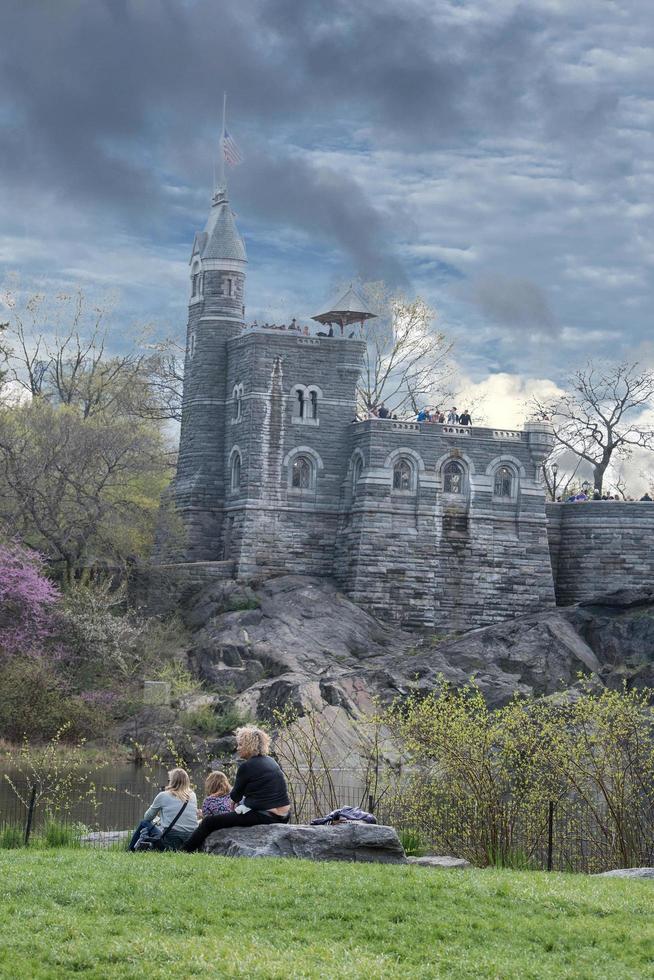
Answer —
(27, 601)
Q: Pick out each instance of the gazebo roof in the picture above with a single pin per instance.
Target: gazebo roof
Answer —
(348, 308)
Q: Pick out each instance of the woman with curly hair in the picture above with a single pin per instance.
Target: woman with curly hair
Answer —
(259, 790)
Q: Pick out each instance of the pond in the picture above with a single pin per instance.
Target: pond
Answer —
(124, 791)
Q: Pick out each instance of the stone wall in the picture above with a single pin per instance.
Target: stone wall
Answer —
(424, 556)
(160, 590)
(600, 546)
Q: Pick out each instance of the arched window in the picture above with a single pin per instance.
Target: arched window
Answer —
(357, 470)
(300, 404)
(453, 477)
(236, 472)
(403, 475)
(196, 281)
(314, 404)
(238, 403)
(302, 473)
(503, 486)
(191, 349)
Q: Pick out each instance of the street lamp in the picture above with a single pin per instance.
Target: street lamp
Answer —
(555, 470)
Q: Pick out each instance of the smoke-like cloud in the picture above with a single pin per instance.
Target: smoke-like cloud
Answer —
(513, 138)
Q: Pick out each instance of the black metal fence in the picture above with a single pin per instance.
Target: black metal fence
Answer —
(567, 835)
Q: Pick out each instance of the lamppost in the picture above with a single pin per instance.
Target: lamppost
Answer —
(555, 470)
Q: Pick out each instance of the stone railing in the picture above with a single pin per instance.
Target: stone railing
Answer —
(507, 434)
(454, 431)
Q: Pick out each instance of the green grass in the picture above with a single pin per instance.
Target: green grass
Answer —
(98, 914)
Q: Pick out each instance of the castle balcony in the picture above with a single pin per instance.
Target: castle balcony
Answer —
(430, 429)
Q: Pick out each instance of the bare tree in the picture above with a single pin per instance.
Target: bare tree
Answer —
(406, 362)
(63, 349)
(600, 415)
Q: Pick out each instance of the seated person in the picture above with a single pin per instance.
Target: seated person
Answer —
(259, 790)
(166, 805)
(217, 787)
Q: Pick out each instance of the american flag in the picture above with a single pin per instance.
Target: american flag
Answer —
(233, 155)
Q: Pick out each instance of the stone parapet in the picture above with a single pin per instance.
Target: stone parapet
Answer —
(599, 546)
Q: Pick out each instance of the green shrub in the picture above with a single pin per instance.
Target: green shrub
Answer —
(11, 836)
(241, 603)
(57, 834)
(413, 842)
(207, 721)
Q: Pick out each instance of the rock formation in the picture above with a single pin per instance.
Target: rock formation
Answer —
(298, 641)
(341, 842)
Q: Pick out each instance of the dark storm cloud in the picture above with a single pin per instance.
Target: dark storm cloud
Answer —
(520, 127)
(99, 92)
(290, 190)
(517, 304)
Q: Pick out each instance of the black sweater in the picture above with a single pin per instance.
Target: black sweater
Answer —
(261, 782)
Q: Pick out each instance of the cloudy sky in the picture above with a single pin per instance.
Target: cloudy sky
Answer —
(494, 157)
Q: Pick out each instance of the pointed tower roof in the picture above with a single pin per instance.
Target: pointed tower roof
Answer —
(222, 238)
(348, 308)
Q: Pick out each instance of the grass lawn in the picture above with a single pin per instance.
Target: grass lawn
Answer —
(100, 914)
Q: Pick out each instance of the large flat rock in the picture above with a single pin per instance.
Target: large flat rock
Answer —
(627, 873)
(340, 842)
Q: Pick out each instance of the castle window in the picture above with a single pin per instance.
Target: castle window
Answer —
(191, 345)
(357, 470)
(196, 282)
(453, 477)
(235, 481)
(304, 403)
(503, 486)
(302, 473)
(403, 475)
(237, 399)
(230, 287)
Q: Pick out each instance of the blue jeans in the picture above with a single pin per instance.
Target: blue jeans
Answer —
(173, 840)
(137, 833)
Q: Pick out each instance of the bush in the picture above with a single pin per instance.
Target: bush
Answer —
(206, 721)
(12, 836)
(34, 703)
(413, 842)
(57, 834)
(485, 778)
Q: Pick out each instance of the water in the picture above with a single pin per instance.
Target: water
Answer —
(123, 793)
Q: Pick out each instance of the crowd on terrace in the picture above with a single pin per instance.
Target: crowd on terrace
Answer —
(424, 415)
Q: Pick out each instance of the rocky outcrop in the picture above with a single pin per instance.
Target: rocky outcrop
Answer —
(298, 641)
(345, 841)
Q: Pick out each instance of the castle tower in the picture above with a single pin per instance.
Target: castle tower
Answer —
(216, 312)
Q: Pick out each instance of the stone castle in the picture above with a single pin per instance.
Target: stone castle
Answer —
(428, 525)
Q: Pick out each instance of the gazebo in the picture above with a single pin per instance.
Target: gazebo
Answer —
(348, 309)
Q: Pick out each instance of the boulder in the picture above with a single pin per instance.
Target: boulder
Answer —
(439, 861)
(627, 873)
(340, 842)
(105, 838)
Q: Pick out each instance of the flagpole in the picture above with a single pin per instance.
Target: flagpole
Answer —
(222, 143)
